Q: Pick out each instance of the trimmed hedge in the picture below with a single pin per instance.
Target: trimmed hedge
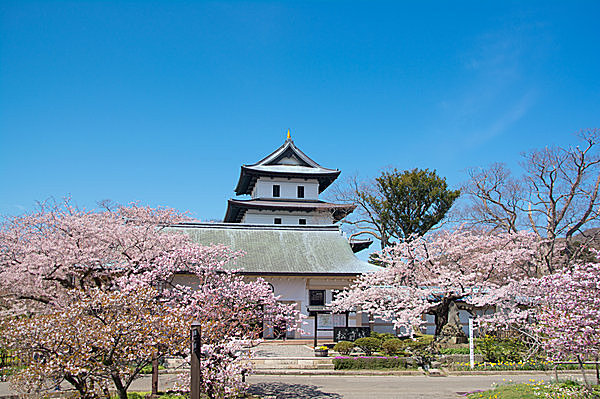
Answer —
(366, 362)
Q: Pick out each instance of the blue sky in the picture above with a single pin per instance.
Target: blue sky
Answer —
(161, 102)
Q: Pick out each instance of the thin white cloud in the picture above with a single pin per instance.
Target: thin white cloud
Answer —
(504, 121)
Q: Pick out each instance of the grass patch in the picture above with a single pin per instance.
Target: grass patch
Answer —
(535, 390)
(511, 366)
(457, 351)
(148, 369)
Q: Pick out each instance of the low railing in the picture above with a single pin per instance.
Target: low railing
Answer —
(578, 364)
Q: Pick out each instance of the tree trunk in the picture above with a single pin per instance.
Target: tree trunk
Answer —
(80, 386)
(155, 375)
(585, 380)
(441, 316)
(121, 390)
(597, 372)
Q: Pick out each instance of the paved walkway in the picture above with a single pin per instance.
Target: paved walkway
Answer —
(355, 387)
(377, 387)
(266, 349)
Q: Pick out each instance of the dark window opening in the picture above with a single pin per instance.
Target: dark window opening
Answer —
(276, 190)
(302, 221)
(277, 220)
(316, 297)
(300, 191)
(334, 294)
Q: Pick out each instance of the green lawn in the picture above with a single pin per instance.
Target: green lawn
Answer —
(536, 389)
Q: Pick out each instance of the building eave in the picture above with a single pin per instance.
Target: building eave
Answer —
(236, 209)
(267, 166)
(249, 176)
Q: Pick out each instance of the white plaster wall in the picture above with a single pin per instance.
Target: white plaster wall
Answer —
(294, 289)
(264, 188)
(268, 217)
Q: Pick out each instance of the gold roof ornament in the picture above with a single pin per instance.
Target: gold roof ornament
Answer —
(289, 136)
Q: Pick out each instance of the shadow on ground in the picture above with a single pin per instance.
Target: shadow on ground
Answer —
(278, 390)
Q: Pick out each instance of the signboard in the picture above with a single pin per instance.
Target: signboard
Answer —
(350, 333)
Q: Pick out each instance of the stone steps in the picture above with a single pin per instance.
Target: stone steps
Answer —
(270, 363)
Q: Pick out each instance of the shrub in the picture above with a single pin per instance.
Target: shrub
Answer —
(382, 336)
(419, 343)
(392, 346)
(362, 362)
(344, 347)
(501, 350)
(368, 345)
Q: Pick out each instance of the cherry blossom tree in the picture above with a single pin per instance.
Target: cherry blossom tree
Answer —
(58, 247)
(429, 275)
(569, 313)
(231, 311)
(58, 258)
(100, 339)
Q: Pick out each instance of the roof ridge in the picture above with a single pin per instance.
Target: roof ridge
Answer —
(281, 150)
(245, 226)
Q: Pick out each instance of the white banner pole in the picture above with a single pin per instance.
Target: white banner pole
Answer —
(471, 345)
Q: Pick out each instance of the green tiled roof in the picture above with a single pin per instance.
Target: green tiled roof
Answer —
(281, 249)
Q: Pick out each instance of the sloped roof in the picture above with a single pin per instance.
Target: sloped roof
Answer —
(237, 208)
(281, 250)
(286, 161)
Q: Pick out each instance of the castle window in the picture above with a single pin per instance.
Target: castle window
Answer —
(276, 190)
(316, 297)
(277, 221)
(302, 221)
(300, 191)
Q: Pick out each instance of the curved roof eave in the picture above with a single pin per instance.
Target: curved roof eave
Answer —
(268, 167)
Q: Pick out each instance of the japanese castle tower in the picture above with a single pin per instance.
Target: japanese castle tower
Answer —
(290, 237)
(284, 188)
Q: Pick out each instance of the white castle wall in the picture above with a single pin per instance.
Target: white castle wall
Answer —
(264, 188)
(267, 217)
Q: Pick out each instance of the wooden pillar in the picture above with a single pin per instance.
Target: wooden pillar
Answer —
(316, 329)
(196, 349)
(155, 375)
